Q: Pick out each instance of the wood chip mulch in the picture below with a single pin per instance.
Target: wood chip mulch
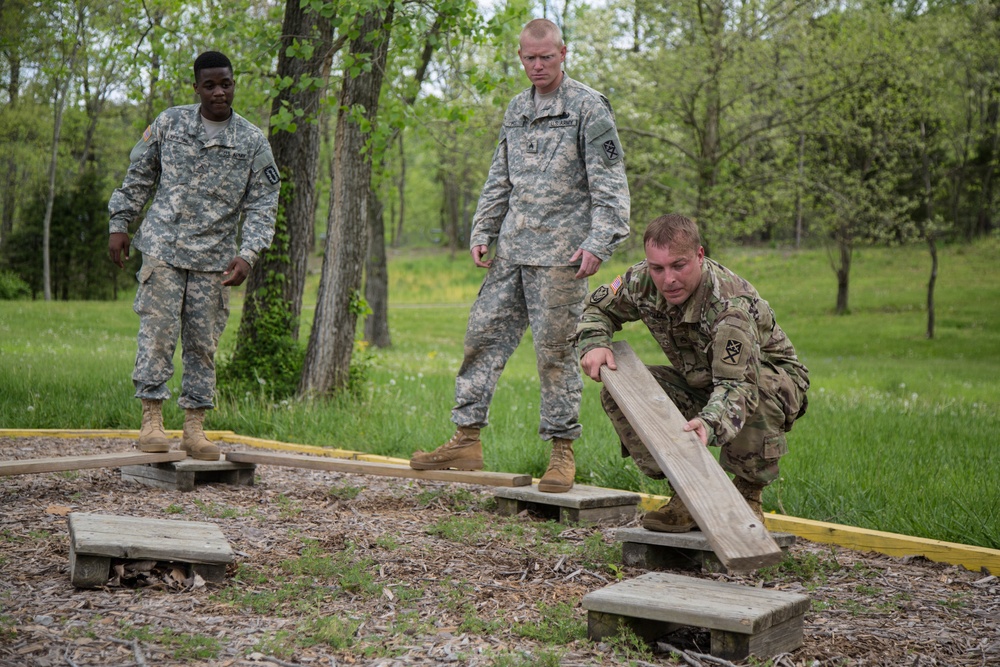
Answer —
(419, 573)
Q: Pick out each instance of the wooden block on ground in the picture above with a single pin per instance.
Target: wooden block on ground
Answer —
(738, 538)
(184, 475)
(653, 551)
(97, 538)
(382, 469)
(581, 504)
(742, 620)
(61, 463)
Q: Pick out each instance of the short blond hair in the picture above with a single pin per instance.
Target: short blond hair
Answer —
(541, 29)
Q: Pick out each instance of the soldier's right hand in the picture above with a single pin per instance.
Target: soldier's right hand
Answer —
(118, 245)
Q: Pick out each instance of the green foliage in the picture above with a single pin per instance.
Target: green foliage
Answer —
(78, 243)
(558, 624)
(267, 360)
(12, 287)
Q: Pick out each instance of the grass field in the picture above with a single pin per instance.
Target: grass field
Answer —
(901, 435)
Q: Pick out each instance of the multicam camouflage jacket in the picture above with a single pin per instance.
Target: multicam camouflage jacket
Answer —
(720, 338)
(557, 182)
(202, 189)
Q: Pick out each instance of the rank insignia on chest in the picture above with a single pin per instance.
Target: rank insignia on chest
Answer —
(532, 146)
(734, 349)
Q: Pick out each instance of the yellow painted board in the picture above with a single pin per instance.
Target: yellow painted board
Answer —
(892, 544)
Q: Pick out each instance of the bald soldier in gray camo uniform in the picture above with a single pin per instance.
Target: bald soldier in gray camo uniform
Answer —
(555, 205)
(208, 168)
(734, 374)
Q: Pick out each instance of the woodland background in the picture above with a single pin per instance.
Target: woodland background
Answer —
(784, 123)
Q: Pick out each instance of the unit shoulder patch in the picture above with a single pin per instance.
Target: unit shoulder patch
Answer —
(733, 352)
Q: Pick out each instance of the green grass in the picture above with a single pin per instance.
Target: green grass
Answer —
(901, 433)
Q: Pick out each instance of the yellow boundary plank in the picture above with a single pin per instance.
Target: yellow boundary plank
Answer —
(968, 556)
(861, 539)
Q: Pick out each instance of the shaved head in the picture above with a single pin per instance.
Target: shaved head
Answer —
(540, 29)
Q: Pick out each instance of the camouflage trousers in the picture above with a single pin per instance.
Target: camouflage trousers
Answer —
(513, 297)
(172, 302)
(753, 454)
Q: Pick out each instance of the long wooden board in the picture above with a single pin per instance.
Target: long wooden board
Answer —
(61, 463)
(382, 469)
(737, 537)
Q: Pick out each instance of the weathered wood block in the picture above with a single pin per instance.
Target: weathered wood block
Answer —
(97, 538)
(655, 551)
(581, 504)
(742, 620)
(185, 475)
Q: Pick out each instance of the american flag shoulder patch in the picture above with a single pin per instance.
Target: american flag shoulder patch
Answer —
(147, 133)
(616, 285)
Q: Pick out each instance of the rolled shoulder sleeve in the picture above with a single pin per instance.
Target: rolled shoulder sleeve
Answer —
(609, 194)
(735, 373)
(494, 202)
(140, 181)
(261, 205)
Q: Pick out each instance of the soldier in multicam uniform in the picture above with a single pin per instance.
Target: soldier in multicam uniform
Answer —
(555, 205)
(734, 373)
(208, 167)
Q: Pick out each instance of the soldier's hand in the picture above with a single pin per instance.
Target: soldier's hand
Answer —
(593, 360)
(118, 245)
(237, 272)
(478, 252)
(698, 426)
(589, 263)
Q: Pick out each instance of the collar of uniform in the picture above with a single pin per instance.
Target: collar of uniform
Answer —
(225, 138)
(554, 107)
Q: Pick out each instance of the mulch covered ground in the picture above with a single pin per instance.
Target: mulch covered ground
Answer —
(336, 569)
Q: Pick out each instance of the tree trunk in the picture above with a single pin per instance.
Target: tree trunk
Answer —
(377, 277)
(843, 276)
(397, 239)
(928, 231)
(328, 357)
(296, 154)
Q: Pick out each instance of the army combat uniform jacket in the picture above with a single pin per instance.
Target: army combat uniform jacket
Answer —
(202, 189)
(723, 339)
(557, 181)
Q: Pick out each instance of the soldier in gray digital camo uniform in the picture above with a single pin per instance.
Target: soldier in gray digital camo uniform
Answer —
(208, 168)
(555, 205)
(734, 374)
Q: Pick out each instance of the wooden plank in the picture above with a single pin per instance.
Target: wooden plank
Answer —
(138, 538)
(738, 538)
(382, 469)
(702, 603)
(61, 463)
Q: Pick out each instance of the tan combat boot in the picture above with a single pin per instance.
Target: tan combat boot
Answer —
(464, 451)
(673, 517)
(562, 468)
(751, 492)
(152, 437)
(194, 441)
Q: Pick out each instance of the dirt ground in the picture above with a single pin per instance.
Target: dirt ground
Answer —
(429, 597)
